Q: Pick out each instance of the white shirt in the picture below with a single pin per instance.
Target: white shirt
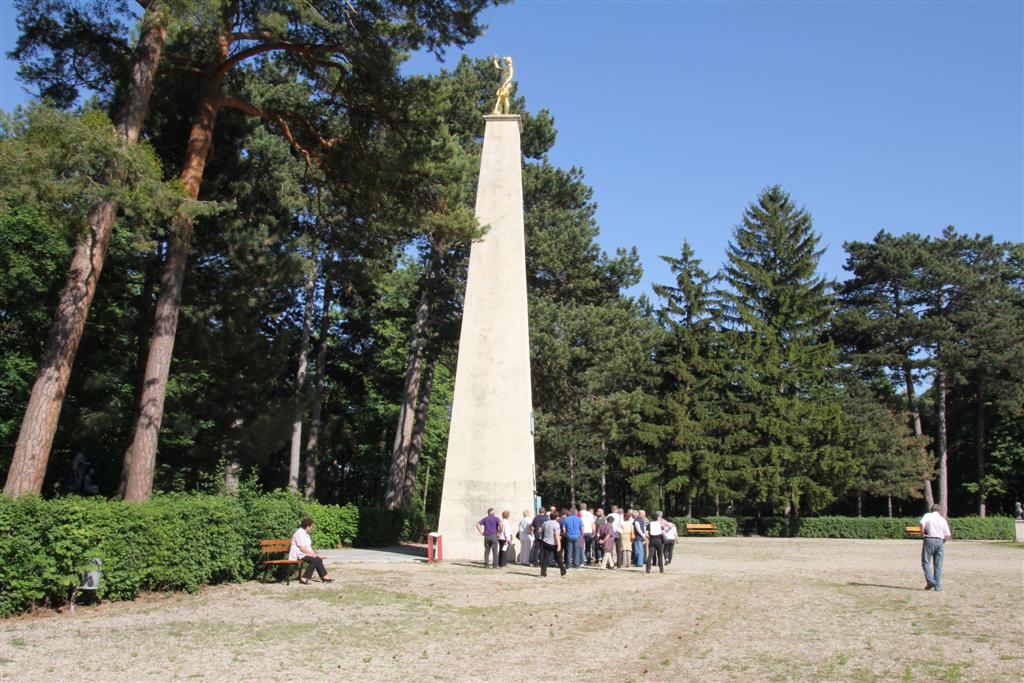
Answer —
(616, 519)
(299, 538)
(655, 528)
(934, 525)
(505, 530)
(670, 531)
(587, 517)
(551, 532)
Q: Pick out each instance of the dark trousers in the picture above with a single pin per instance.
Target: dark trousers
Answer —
(669, 546)
(314, 563)
(548, 551)
(491, 545)
(656, 546)
(588, 548)
(537, 551)
(502, 553)
(618, 550)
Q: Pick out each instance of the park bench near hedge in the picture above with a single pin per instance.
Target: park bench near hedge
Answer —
(701, 529)
(271, 547)
(913, 530)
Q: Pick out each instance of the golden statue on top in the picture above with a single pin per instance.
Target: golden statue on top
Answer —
(504, 91)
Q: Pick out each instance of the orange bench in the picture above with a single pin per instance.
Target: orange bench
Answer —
(270, 548)
(913, 530)
(701, 529)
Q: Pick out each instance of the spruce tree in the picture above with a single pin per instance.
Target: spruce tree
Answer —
(779, 308)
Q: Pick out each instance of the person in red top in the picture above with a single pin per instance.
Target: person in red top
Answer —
(488, 528)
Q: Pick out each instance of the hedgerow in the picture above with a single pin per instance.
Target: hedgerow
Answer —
(174, 542)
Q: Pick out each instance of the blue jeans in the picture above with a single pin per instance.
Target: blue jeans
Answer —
(574, 547)
(931, 554)
(638, 553)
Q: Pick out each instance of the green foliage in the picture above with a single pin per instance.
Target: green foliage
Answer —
(174, 542)
(983, 528)
(964, 528)
(727, 526)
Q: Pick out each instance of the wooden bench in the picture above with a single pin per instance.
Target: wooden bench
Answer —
(701, 529)
(913, 530)
(272, 547)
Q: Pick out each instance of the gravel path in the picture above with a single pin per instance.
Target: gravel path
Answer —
(746, 609)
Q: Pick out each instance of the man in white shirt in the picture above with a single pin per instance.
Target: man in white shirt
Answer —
(587, 517)
(934, 533)
(656, 544)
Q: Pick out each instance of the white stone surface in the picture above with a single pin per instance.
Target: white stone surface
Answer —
(490, 444)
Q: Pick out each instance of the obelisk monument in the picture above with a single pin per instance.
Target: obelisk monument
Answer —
(490, 441)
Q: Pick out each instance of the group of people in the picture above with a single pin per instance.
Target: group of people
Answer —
(575, 538)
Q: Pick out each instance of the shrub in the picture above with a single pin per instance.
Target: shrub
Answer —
(964, 528)
(983, 528)
(172, 542)
(726, 525)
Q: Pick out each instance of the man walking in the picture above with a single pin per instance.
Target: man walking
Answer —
(551, 544)
(934, 533)
(488, 528)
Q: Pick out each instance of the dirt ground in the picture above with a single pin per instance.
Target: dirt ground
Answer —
(738, 609)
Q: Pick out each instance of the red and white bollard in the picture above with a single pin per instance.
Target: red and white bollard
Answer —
(433, 547)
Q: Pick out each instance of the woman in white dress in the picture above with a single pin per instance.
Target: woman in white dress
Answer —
(525, 538)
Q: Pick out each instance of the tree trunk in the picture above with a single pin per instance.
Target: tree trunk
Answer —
(888, 500)
(300, 380)
(143, 332)
(860, 504)
(572, 479)
(420, 426)
(232, 472)
(406, 413)
(979, 445)
(940, 441)
(39, 424)
(313, 440)
(141, 454)
(604, 473)
(915, 415)
(426, 489)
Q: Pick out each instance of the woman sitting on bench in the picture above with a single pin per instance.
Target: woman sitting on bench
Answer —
(302, 549)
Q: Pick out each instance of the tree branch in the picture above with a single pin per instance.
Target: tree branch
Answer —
(255, 50)
(243, 106)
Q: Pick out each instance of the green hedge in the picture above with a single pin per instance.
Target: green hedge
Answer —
(726, 525)
(172, 542)
(964, 528)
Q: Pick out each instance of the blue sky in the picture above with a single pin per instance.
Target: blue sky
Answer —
(904, 116)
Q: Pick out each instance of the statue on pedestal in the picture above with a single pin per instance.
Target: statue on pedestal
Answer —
(504, 92)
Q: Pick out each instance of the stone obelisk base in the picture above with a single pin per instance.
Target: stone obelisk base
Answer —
(490, 442)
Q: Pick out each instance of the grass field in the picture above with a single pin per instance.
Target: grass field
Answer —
(743, 609)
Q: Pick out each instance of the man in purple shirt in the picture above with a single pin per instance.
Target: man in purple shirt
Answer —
(488, 528)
